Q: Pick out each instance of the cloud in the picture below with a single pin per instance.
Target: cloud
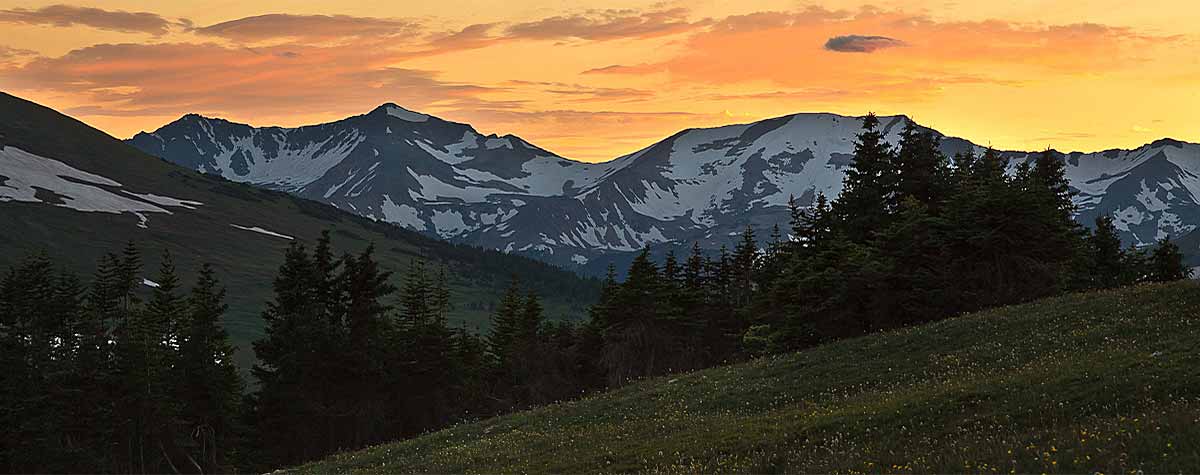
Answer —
(644, 68)
(113, 20)
(781, 50)
(596, 25)
(307, 28)
(860, 43)
(265, 83)
(470, 37)
(582, 93)
(777, 95)
(607, 25)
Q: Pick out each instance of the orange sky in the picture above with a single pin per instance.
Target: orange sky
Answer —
(592, 80)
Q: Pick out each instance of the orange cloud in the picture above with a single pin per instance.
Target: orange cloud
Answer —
(608, 25)
(582, 93)
(797, 49)
(307, 28)
(175, 78)
(113, 20)
(595, 83)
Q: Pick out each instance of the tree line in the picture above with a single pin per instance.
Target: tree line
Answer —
(103, 380)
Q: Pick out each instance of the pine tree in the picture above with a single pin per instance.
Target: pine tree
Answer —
(505, 324)
(630, 338)
(36, 354)
(417, 301)
(1107, 258)
(1166, 263)
(209, 387)
(366, 287)
(745, 263)
(868, 189)
(1051, 173)
(145, 357)
(442, 301)
(922, 169)
(289, 400)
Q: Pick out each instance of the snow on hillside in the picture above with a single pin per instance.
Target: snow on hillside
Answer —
(259, 230)
(31, 178)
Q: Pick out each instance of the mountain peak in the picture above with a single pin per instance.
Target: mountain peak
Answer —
(401, 113)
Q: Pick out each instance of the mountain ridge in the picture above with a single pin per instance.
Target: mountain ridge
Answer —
(698, 185)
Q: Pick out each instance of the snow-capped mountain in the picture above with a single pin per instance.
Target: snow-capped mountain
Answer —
(76, 194)
(699, 185)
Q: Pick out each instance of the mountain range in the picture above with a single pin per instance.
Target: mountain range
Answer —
(76, 193)
(448, 180)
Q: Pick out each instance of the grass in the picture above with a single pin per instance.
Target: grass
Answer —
(1103, 382)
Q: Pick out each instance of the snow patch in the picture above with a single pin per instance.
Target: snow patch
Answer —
(263, 231)
(165, 200)
(72, 188)
(405, 114)
(403, 214)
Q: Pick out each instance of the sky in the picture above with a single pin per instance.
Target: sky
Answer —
(594, 80)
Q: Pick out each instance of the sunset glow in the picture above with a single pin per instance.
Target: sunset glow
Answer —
(592, 80)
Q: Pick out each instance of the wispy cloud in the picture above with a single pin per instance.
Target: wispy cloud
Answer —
(608, 25)
(126, 79)
(113, 20)
(307, 28)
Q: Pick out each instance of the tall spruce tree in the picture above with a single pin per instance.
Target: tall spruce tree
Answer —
(922, 171)
(289, 399)
(631, 337)
(208, 384)
(366, 286)
(869, 186)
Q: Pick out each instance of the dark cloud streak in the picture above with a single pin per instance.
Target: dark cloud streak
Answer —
(277, 26)
(861, 43)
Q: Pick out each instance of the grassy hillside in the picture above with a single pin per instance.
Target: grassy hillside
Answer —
(246, 261)
(1103, 381)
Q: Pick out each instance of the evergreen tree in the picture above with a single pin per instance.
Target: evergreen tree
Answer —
(209, 387)
(745, 264)
(922, 170)
(631, 347)
(1166, 263)
(1107, 258)
(289, 399)
(417, 300)
(1051, 174)
(365, 286)
(144, 360)
(442, 301)
(507, 330)
(869, 186)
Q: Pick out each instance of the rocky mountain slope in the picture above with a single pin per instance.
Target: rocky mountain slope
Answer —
(699, 185)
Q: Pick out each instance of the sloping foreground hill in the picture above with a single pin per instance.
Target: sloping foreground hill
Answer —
(77, 193)
(1104, 381)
